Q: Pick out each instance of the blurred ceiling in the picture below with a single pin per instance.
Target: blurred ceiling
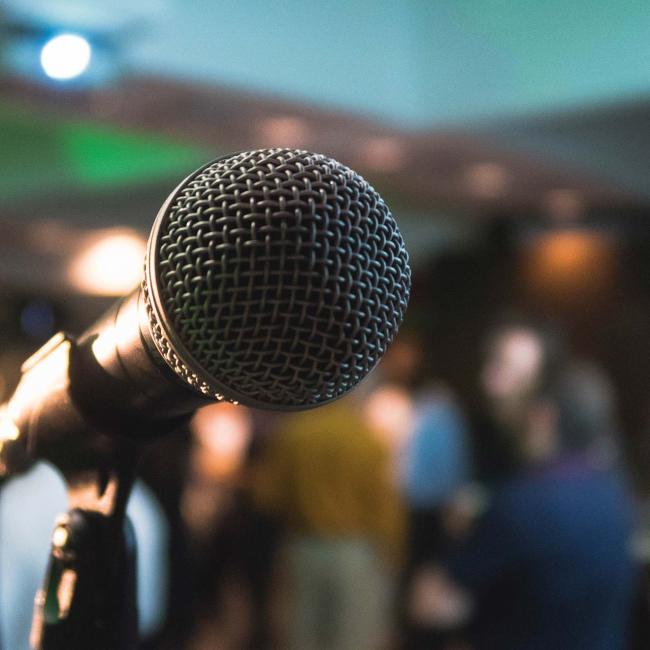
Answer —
(453, 110)
(145, 134)
(611, 142)
(415, 63)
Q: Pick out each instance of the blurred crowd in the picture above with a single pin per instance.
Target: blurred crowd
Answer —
(401, 516)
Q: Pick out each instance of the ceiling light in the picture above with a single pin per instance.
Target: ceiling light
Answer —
(65, 56)
(487, 180)
(383, 154)
(110, 265)
(564, 205)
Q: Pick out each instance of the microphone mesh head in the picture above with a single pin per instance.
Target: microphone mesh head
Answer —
(280, 278)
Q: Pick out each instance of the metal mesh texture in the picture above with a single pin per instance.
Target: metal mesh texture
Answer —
(283, 274)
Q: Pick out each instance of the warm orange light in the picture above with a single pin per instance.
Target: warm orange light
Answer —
(389, 411)
(570, 262)
(8, 429)
(223, 432)
(487, 180)
(564, 205)
(284, 131)
(568, 252)
(110, 265)
(383, 154)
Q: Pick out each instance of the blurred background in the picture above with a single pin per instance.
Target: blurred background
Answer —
(512, 143)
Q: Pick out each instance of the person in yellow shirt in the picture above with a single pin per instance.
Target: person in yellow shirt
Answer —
(328, 477)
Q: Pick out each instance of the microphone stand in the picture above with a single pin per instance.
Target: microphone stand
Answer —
(88, 598)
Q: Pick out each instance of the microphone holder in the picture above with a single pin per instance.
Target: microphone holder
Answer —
(88, 596)
(88, 599)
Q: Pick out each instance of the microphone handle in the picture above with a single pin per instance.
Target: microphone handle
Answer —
(76, 396)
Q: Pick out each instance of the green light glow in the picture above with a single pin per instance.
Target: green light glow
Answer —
(41, 154)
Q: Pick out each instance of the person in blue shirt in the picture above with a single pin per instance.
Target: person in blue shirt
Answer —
(435, 466)
(437, 456)
(548, 563)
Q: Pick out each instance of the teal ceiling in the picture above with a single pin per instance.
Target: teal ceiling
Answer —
(415, 62)
(418, 63)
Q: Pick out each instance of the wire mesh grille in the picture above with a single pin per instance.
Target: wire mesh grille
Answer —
(283, 274)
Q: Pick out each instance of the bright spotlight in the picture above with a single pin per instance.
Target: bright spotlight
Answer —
(110, 265)
(65, 56)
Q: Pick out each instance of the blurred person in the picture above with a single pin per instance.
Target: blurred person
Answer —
(232, 543)
(328, 477)
(520, 359)
(436, 465)
(210, 511)
(430, 441)
(221, 434)
(402, 363)
(165, 468)
(29, 505)
(548, 563)
(389, 411)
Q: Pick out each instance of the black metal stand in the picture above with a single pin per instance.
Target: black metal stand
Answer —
(88, 599)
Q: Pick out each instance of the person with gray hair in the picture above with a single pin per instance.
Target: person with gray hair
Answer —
(586, 410)
(547, 564)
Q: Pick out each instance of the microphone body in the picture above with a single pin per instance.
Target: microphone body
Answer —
(110, 380)
(275, 278)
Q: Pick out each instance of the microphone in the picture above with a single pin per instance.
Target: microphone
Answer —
(276, 278)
